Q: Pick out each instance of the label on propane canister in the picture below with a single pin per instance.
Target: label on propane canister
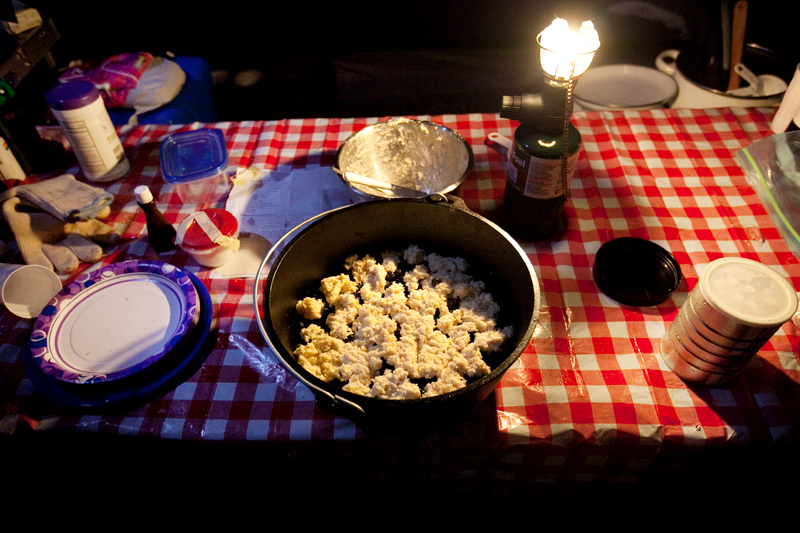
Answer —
(537, 177)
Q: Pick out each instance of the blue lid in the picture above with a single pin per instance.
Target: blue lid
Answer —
(72, 95)
(193, 155)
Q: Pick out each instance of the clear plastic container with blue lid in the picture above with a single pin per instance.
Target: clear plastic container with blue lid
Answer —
(195, 162)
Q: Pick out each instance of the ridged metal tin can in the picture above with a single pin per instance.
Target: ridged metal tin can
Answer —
(736, 307)
(687, 371)
(743, 299)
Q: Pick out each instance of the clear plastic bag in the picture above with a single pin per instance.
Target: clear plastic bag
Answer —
(772, 169)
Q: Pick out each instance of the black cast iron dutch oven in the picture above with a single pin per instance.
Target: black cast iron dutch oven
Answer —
(440, 224)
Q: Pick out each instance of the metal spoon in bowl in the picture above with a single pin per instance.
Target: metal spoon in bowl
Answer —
(396, 190)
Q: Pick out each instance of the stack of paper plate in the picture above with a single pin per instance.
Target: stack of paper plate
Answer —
(122, 332)
(624, 87)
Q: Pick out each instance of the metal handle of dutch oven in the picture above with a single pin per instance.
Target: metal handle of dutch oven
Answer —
(336, 400)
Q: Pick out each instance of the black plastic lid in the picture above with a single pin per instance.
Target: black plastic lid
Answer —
(635, 271)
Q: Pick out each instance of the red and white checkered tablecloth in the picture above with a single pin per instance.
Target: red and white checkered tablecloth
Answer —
(591, 378)
(595, 371)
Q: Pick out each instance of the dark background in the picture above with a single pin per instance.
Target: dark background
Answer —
(379, 58)
(346, 59)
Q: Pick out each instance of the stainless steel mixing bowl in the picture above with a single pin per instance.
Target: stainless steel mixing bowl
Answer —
(415, 154)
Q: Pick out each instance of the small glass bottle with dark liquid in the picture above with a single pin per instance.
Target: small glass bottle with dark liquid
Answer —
(160, 232)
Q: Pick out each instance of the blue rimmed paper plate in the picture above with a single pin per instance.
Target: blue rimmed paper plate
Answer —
(113, 322)
(146, 385)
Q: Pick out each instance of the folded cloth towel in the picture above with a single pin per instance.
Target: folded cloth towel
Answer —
(64, 197)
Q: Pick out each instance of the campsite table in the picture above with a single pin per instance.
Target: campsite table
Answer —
(590, 401)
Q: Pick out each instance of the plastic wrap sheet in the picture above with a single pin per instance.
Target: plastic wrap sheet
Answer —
(771, 168)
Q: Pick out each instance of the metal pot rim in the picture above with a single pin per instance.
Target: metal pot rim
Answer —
(724, 93)
(355, 401)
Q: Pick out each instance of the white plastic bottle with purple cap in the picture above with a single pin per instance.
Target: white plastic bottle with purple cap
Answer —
(82, 115)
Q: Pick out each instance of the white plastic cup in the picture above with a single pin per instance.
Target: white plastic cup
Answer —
(740, 301)
(789, 109)
(27, 289)
(82, 115)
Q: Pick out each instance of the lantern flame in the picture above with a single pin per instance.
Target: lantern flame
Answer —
(566, 54)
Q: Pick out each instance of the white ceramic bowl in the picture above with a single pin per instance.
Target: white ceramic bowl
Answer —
(616, 87)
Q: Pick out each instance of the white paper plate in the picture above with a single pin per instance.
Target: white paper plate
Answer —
(114, 321)
(632, 87)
